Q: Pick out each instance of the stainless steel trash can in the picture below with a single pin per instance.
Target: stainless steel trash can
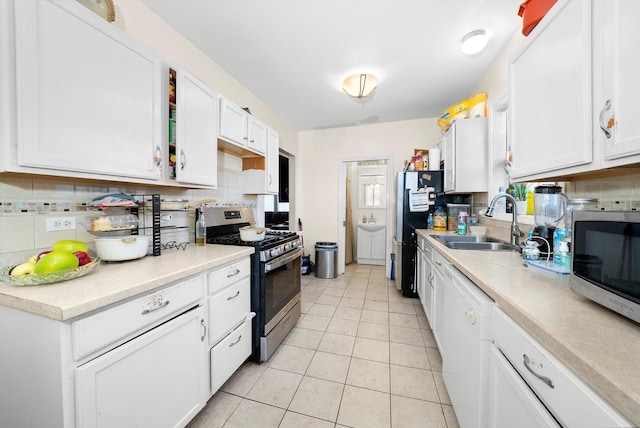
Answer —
(326, 259)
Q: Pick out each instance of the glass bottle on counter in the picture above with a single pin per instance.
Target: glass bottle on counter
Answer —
(201, 229)
(440, 220)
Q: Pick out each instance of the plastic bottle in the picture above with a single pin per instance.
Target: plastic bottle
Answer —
(530, 203)
(430, 221)
(561, 256)
(462, 223)
(201, 229)
(500, 204)
(440, 220)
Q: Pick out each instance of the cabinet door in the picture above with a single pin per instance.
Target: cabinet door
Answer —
(511, 402)
(256, 135)
(88, 98)
(273, 161)
(364, 244)
(617, 67)
(449, 147)
(550, 90)
(378, 241)
(157, 379)
(233, 123)
(196, 139)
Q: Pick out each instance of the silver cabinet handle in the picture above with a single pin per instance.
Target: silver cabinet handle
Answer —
(160, 306)
(204, 332)
(236, 342)
(438, 263)
(605, 129)
(237, 271)
(270, 179)
(233, 297)
(183, 160)
(526, 361)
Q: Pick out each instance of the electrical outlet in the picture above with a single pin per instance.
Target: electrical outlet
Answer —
(55, 224)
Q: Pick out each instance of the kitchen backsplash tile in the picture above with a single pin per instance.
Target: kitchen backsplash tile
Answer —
(13, 187)
(17, 232)
(25, 203)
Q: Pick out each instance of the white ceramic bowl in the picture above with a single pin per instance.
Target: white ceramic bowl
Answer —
(120, 248)
(478, 230)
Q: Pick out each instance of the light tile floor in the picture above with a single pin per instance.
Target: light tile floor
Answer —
(360, 356)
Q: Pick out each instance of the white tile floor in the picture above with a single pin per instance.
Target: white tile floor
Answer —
(361, 356)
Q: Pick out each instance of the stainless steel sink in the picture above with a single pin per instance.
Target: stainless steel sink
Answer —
(470, 242)
(490, 246)
(463, 238)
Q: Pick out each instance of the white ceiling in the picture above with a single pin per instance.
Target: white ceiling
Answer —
(293, 54)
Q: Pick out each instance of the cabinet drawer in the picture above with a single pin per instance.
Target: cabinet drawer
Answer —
(230, 353)
(221, 278)
(116, 324)
(571, 401)
(228, 308)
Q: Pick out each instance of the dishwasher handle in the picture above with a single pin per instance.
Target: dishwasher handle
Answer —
(527, 363)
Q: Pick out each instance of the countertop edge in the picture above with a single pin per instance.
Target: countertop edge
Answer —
(92, 292)
(609, 391)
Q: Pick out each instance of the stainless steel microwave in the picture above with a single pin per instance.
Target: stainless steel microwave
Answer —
(605, 265)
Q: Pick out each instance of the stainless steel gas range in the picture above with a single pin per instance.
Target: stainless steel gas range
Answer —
(275, 275)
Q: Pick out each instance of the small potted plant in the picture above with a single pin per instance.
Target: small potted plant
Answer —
(519, 193)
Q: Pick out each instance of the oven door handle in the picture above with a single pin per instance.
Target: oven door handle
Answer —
(289, 257)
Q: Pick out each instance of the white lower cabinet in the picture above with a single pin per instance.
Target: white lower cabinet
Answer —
(512, 404)
(230, 353)
(153, 380)
(371, 246)
(230, 320)
(551, 384)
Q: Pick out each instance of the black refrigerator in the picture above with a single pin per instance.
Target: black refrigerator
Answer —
(417, 195)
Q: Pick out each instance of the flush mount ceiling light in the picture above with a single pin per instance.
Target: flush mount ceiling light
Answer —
(360, 87)
(474, 42)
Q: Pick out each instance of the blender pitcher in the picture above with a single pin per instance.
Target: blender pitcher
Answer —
(549, 210)
(550, 206)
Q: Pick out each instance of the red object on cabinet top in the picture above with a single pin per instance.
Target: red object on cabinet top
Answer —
(532, 11)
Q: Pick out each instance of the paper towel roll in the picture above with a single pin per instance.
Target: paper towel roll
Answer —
(434, 159)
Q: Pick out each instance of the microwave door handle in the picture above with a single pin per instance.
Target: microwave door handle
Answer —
(283, 260)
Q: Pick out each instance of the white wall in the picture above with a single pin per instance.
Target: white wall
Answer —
(321, 151)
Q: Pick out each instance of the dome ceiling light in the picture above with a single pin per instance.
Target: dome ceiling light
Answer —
(474, 42)
(360, 87)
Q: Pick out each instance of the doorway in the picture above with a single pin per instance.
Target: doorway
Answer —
(386, 162)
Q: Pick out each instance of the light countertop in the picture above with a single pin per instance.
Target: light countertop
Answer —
(600, 346)
(113, 282)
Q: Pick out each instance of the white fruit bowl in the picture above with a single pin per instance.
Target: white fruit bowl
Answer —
(122, 248)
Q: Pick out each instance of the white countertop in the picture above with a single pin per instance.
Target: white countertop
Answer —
(113, 282)
(600, 346)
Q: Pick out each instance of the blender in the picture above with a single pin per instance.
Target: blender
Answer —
(549, 210)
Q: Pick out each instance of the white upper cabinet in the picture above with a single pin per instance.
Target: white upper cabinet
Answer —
(256, 135)
(196, 147)
(550, 90)
(465, 147)
(241, 128)
(88, 98)
(273, 161)
(616, 70)
(233, 123)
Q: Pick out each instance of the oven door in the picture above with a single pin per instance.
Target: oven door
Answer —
(282, 283)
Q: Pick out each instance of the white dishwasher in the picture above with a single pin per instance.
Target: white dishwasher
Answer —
(465, 345)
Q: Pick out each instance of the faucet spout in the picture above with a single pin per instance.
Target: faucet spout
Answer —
(516, 233)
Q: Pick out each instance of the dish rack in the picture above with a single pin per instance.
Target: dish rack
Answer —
(146, 202)
(132, 219)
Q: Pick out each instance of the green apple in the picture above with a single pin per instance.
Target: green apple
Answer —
(69, 246)
(55, 261)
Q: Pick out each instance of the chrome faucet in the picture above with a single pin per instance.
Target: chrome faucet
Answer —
(516, 233)
(371, 219)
